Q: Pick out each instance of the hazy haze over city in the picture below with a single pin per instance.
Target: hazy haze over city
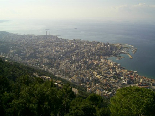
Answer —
(102, 10)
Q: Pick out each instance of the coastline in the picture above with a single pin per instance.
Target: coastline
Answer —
(128, 67)
(120, 58)
(78, 61)
(140, 35)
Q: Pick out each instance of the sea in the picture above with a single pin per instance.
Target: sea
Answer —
(139, 34)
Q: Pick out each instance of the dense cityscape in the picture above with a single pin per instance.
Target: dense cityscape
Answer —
(84, 63)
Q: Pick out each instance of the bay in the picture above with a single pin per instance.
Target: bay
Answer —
(141, 35)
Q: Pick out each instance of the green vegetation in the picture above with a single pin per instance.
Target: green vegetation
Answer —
(23, 94)
(133, 101)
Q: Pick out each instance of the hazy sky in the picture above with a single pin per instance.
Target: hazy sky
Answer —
(78, 9)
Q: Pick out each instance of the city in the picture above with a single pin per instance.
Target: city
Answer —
(84, 63)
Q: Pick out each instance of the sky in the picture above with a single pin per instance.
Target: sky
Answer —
(126, 10)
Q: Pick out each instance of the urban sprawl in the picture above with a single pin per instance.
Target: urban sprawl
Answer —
(84, 63)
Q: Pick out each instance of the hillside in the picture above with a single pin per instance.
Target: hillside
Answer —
(23, 93)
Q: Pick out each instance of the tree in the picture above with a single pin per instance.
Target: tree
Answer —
(67, 95)
(95, 100)
(93, 105)
(36, 99)
(133, 101)
(4, 84)
(4, 87)
(81, 107)
(100, 103)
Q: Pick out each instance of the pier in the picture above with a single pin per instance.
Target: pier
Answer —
(129, 56)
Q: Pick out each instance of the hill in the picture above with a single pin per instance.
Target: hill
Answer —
(23, 92)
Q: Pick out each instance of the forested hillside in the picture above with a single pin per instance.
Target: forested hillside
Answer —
(24, 94)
